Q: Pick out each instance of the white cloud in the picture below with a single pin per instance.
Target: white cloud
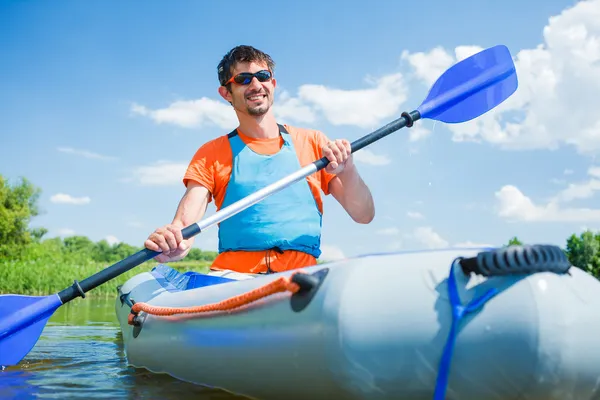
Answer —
(192, 113)
(418, 132)
(290, 108)
(423, 236)
(62, 198)
(135, 224)
(389, 231)
(414, 215)
(426, 236)
(111, 240)
(66, 232)
(468, 243)
(556, 102)
(394, 241)
(580, 190)
(331, 253)
(160, 173)
(513, 205)
(359, 107)
(84, 153)
(366, 156)
(429, 66)
(203, 111)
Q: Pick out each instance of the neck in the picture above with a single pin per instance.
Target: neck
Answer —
(263, 127)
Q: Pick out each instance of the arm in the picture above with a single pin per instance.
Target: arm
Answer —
(352, 193)
(192, 206)
(168, 239)
(347, 187)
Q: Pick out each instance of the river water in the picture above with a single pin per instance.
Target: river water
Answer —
(80, 355)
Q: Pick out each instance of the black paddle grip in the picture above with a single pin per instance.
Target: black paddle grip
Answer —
(524, 259)
(190, 231)
(406, 120)
(78, 289)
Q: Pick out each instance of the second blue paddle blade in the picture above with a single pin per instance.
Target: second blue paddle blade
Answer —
(471, 87)
(22, 320)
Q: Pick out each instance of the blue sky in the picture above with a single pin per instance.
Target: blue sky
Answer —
(104, 103)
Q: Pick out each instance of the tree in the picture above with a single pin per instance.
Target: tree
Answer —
(583, 251)
(18, 204)
(102, 251)
(514, 241)
(199, 255)
(79, 244)
(122, 250)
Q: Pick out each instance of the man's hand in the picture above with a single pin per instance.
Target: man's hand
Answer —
(169, 241)
(339, 154)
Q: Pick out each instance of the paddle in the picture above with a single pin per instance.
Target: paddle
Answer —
(465, 91)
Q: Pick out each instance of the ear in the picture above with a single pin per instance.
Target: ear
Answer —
(225, 93)
(274, 82)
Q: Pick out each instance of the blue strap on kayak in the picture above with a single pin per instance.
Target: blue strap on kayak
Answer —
(458, 312)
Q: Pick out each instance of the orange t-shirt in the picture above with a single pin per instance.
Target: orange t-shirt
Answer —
(211, 167)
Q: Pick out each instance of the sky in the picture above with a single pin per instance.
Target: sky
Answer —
(103, 105)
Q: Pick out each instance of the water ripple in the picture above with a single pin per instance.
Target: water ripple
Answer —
(70, 362)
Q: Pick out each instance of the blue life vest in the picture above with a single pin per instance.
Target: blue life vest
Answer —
(287, 220)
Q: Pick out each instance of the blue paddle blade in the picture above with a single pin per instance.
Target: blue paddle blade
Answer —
(22, 320)
(471, 87)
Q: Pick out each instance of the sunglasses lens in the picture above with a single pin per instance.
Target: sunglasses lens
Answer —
(263, 76)
(245, 78)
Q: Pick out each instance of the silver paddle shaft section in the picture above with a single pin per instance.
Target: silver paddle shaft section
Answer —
(249, 201)
(406, 119)
(78, 289)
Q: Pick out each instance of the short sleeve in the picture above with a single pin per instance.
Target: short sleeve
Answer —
(201, 168)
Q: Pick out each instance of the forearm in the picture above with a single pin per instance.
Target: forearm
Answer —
(355, 196)
(191, 208)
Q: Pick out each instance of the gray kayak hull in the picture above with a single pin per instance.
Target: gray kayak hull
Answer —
(376, 329)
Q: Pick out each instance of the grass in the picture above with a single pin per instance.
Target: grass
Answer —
(49, 274)
(51, 266)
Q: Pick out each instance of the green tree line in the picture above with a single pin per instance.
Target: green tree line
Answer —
(18, 205)
(583, 251)
(30, 264)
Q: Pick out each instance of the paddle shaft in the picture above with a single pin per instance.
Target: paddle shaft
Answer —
(80, 288)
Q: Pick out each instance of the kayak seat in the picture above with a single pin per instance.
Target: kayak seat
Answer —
(175, 281)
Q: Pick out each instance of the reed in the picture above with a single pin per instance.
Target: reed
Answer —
(42, 271)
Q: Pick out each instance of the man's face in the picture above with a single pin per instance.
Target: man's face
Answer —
(256, 98)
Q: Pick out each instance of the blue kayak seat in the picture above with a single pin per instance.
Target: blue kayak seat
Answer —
(175, 281)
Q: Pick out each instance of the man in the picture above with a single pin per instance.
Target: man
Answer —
(283, 231)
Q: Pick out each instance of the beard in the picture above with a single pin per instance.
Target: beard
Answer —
(259, 109)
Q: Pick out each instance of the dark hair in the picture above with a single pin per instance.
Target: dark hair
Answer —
(239, 54)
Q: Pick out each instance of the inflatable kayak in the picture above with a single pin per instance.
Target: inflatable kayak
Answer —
(477, 323)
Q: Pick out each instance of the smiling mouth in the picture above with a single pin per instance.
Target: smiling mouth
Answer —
(256, 97)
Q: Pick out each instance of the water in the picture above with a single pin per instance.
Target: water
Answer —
(80, 355)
